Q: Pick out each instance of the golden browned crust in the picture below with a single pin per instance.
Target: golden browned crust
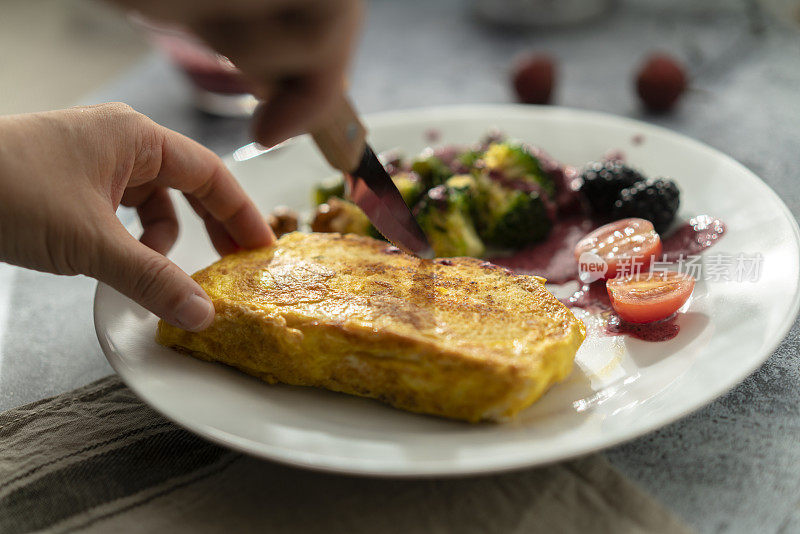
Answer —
(460, 338)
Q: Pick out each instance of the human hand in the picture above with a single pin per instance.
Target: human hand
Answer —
(294, 52)
(64, 173)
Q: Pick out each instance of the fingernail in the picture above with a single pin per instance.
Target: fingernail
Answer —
(195, 314)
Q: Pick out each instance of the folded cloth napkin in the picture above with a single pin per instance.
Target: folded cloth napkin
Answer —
(99, 460)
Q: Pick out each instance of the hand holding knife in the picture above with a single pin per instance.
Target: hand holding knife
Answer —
(342, 140)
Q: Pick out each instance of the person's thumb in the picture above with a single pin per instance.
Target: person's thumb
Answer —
(153, 281)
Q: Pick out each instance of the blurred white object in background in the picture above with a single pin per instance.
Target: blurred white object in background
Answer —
(539, 12)
(53, 52)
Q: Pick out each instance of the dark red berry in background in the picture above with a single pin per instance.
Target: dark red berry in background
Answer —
(534, 77)
(660, 82)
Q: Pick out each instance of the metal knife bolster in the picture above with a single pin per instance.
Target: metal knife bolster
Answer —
(342, 140)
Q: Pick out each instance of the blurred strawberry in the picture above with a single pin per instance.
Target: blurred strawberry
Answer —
(534, 77)
(660, 82)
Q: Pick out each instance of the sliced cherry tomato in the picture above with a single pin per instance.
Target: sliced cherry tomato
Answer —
(649, 297)
(627, 246)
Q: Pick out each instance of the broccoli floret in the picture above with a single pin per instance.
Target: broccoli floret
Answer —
(466, 186)
(431, 169)
(445, 215)
(408, 183)
(410, 186)
(509, 217)
(513, 162)
(469, 158)
(330, 187)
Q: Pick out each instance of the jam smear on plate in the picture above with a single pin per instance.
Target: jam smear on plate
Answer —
(552, 258)
(590, 297)
(693, 237)
(662, 330)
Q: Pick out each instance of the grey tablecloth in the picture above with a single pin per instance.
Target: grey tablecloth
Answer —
(98, 460)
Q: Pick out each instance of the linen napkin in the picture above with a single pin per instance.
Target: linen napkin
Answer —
(99, 460)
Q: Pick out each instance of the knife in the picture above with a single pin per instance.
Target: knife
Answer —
(342, 140)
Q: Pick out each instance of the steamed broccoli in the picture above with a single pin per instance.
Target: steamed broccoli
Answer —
(410, 186)
(330, 187)
(445, 215)
(465, 185)
(469, 158)
(436, 167)
(431, 169)
(510, 217)
(501, 200)
(512, 162)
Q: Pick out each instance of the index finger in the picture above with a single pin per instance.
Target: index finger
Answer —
(195, 170)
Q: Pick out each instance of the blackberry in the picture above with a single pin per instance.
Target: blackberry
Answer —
(602, 183)
(654, 200)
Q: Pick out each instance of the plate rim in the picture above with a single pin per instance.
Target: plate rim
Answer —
(342, 465)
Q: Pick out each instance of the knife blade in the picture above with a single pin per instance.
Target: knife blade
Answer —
(342, 140)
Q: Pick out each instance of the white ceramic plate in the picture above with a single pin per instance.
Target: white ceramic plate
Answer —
(621, 387)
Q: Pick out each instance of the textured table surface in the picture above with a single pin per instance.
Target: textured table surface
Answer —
(734, 466)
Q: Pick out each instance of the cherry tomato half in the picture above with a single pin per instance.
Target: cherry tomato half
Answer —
(627, 246)
(649, 297)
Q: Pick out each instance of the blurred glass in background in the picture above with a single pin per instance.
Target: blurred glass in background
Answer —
(217, 85)
(55, 52)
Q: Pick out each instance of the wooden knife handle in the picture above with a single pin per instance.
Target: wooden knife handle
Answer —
(342, 138)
